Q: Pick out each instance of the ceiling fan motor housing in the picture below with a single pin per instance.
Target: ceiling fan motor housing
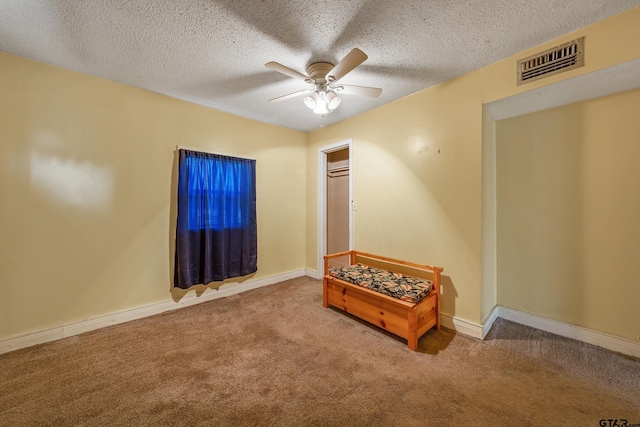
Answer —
(318, 71)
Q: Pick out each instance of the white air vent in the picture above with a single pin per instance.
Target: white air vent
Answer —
(552, 61)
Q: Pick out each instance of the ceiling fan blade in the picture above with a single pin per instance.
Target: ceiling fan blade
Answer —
(371, 92)
(348, 63)
(286, 71)
(291, 95)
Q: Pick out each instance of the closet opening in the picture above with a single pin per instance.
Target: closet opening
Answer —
(338, 204)
(335, 216)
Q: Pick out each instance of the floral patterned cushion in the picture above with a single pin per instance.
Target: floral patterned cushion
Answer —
(396, 285)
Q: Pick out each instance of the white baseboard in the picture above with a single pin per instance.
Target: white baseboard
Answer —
(312, 273)
(74, 328)
(601, 339)
(460, 325)
(489, 321)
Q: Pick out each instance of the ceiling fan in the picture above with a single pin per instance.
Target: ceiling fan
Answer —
(323, 93)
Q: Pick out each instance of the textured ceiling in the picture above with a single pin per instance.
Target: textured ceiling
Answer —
(213, 52)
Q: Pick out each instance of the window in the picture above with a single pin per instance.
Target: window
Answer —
(216, 233)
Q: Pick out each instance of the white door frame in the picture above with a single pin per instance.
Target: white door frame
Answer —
(322, 198)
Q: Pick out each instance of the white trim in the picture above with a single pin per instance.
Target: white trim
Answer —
(33, 338)
(74, 328)
(322, 197)
(461, 325)
(312, 273)
(601, 339)
(589, 336)
(490, 320)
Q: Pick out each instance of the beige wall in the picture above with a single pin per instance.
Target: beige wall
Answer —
(87, 212)
(427, 206)
(489, 281)
(568, 210)
(415, 174)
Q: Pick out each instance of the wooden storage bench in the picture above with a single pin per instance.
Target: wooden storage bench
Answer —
(376, 289)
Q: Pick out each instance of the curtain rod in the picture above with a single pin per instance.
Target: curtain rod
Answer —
(183, 147)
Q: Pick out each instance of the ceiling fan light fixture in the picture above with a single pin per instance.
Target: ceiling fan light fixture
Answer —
(321, 104)
(311, 101)
(333, 100)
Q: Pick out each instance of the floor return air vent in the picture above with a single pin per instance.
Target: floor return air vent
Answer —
(552, 61)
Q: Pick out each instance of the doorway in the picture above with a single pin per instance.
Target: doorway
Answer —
(335, 218)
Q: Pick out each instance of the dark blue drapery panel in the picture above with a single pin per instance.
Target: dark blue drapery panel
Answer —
(217, 233)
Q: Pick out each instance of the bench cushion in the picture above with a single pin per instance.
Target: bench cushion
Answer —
(396, 285)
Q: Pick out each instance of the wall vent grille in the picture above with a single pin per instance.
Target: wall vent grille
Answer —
(552, 61)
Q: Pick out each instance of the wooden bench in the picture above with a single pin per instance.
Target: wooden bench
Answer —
(402, 318)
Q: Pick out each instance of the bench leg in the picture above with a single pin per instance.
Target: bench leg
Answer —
(325, 292)
(412, 342)
(412, 324)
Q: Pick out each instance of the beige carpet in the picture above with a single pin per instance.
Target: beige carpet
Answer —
(274, 356)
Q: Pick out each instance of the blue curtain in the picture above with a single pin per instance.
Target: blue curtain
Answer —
(217, 233)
